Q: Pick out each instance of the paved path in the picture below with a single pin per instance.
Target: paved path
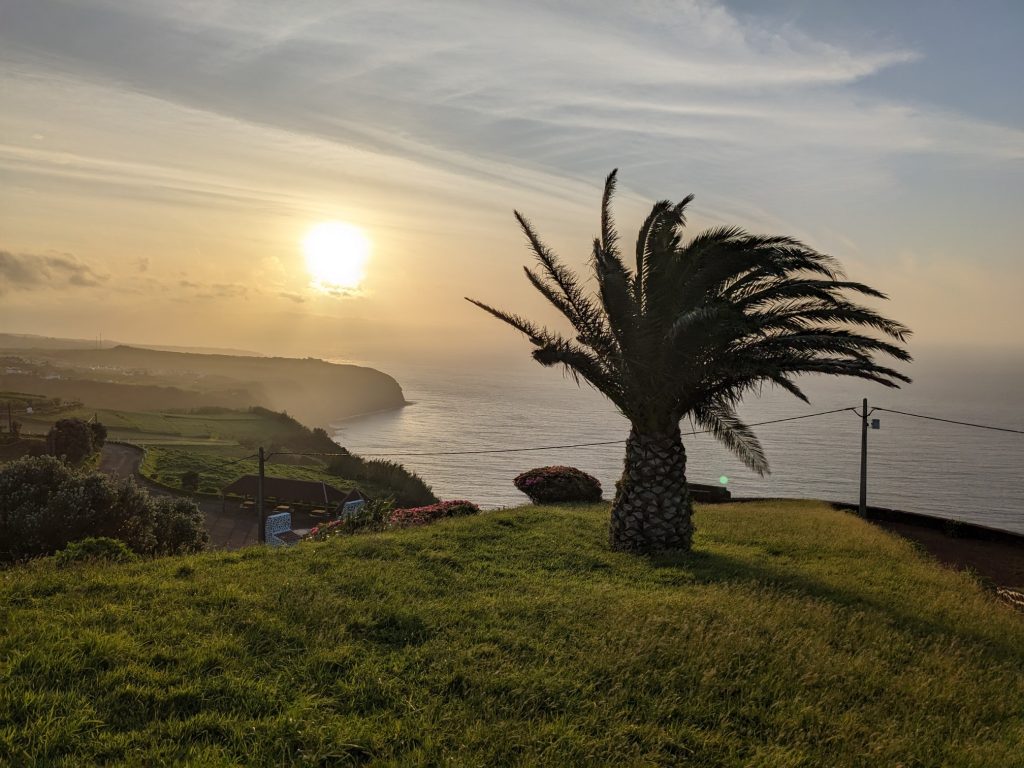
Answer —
(227, 526)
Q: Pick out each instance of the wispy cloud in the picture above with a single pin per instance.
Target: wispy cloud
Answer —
(428, 121)
(527, 81)
(28, 271)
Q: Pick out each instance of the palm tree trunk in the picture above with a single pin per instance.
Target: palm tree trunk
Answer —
(652, 511)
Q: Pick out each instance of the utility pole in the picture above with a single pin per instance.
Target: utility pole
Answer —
(262, 533)
(863, 507)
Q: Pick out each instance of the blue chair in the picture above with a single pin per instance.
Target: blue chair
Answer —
(351, 507)
(279, 530)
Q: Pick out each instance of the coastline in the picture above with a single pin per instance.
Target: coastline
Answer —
(342, 419)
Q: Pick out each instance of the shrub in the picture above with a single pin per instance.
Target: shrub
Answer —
(93, 549)
(407, 488)
(547, 485)
(72, 439)
(404, 518)
(373, 516)
(178, 526)
(45, 504)
(99, 435)
(190, 480)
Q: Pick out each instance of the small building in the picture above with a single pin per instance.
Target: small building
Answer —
(286, 490)
(353, 501)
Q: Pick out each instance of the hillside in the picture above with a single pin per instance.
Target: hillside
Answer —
(15, 341)
(137, 379)
(213, 442)
(794, 635)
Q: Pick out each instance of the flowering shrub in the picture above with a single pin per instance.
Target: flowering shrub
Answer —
(379, 516)
(404, 518)
(546, 485)
(371, 516)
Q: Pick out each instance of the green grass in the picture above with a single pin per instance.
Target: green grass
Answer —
(154, 428)
(793, 636)
(205, 442)
(166, 463)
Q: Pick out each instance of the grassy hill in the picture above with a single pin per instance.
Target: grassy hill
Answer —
(137, 379)
(212, 441)
(794, 636)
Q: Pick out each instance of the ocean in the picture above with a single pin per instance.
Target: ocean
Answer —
(916, 465)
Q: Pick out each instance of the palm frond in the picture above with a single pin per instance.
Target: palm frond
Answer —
(700, 324)
(609, 237)
(720, 420)
(588, 319)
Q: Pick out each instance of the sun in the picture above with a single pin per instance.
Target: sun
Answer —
(336, 256)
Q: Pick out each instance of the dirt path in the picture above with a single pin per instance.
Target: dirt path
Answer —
(227, 527)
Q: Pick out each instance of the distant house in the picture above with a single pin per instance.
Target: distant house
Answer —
(311, 493)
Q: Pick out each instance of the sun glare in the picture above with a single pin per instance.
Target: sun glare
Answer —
(336, 255)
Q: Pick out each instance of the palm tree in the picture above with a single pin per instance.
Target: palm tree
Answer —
(687, 333)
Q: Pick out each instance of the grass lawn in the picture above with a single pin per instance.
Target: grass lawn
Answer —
(166, 464)
(793, 636)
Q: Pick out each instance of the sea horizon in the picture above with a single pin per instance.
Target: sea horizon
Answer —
(914, 464)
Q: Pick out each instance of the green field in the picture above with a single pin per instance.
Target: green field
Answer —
(794, 635)
(217, 467)
(208, 442)
(162, 428)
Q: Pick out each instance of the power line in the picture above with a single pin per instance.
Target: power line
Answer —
(790, 418)
(952, 421)
(603, 443)
(238, 461)
(551, 447)
(302, 453)
(496, 450)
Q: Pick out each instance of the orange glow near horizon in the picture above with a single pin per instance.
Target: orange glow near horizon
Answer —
(336, 256)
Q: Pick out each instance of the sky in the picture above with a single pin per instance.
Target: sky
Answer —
(162, 163)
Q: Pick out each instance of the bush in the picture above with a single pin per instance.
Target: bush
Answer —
(404, 518)
(45, 504)
(178, 526)
(72, 439)
(548, 485)
(373, 516)
(190, 480)
(99, 435)
(93, 549)
(407, 488)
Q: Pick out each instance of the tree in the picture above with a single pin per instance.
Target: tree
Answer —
(99, 434)
(688, 332)
(71, 439)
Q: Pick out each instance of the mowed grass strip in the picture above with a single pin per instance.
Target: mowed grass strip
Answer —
(794, 635)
